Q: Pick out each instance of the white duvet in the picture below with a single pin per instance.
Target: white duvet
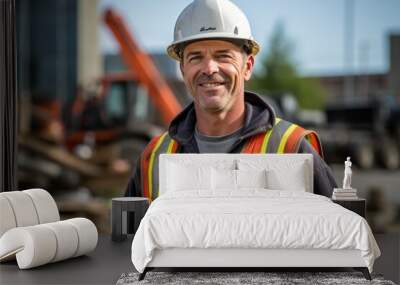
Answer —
(252, 218)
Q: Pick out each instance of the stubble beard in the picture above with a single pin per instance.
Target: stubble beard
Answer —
(224, 99)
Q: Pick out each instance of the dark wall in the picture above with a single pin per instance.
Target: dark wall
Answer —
(47, 53)
(8, 97)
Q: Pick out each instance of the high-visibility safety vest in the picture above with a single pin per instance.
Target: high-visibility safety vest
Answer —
(284, 137)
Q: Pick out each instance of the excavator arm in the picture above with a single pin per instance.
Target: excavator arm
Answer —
(141, 64)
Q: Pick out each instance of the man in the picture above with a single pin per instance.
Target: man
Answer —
(216, 52)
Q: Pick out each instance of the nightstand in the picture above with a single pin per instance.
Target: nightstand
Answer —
(357, 205)
(126, 214)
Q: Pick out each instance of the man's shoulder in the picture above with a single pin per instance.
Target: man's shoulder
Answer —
(161, 143)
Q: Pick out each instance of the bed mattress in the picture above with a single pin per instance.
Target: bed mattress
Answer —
(250, 219)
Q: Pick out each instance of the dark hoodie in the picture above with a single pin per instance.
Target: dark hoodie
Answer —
(259, 117)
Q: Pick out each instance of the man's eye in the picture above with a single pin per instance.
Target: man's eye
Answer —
(224, 56)
(194, 58)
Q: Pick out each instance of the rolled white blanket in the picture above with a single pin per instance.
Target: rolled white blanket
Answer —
(7, 218)
(31, 230)
(87, 235)
(26, 208)
(45, 205)
(40, 244)
(23, 208)
(67, 239)
(33, 246)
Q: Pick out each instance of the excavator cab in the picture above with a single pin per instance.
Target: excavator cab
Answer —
(126, 103)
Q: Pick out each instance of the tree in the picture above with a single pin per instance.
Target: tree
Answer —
(279, 75)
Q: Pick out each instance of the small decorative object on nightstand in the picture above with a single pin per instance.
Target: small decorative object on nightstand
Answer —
(127, 211)
(346, 192)
(347, 196)
(358, 205)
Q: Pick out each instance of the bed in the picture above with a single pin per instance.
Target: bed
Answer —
(247, 210)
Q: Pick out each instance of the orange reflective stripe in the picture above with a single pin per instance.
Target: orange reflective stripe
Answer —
(315, 142)
(248, 146)
(175, 147)
(145, 165)
(294, 139)
(254, 144)
(284, 137)
(150, 169)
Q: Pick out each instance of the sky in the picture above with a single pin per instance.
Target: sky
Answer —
(316, 28)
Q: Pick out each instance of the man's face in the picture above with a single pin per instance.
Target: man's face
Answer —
(214, 72)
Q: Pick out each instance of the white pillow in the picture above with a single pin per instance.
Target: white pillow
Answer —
(281, 175)
(293, 180)
(188, 177)
(251, 178)
(224, 179)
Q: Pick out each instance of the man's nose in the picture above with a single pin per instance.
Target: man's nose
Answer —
(210, 66)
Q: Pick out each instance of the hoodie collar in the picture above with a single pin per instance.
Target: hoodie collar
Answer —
(259, 117)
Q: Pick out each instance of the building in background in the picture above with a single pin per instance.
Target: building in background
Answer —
(58, 47)
(369, 83)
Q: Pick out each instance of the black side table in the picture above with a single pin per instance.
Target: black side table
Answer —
(358, 206)
(127, 212)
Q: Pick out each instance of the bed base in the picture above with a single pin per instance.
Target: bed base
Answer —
(363, 270)
(242, 259)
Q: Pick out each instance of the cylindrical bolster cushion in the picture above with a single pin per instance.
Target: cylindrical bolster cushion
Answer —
(33, 246)
(45, 205)
(23, 208)
(41, 244)
(67, 240)
(7, 218)
(87, 234)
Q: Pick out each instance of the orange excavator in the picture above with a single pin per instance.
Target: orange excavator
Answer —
(97, 141)
(107, 125)
(141, 64)
(125, 109)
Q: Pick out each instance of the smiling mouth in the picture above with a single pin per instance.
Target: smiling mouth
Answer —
(211, 84)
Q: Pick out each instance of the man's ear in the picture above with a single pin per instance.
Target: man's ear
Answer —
(181, 65)
(249, 67)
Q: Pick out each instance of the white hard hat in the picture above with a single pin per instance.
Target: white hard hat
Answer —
(211, 19)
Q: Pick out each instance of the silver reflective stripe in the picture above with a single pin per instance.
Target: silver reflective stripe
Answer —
(276, 135)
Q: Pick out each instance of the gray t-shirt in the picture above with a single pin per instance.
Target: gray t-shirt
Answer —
(216, 144)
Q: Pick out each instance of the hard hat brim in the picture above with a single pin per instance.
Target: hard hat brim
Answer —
(173, 49)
